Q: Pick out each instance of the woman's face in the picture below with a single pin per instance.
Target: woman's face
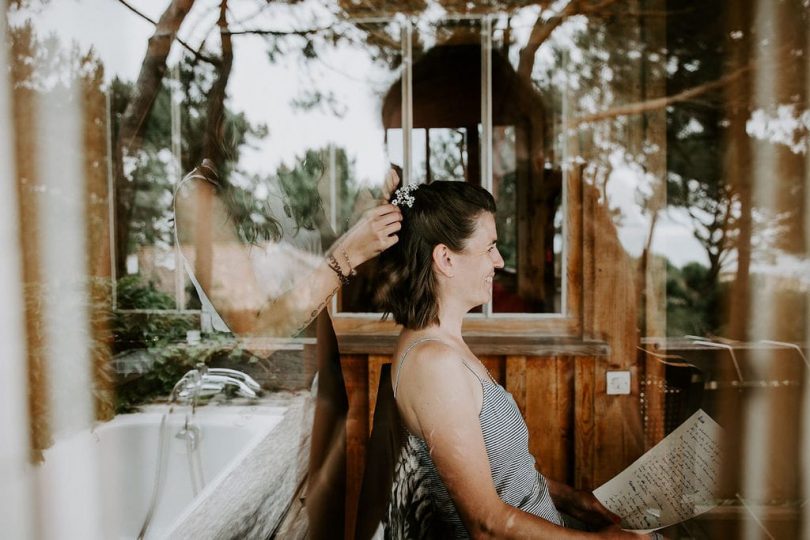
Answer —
(478, 261)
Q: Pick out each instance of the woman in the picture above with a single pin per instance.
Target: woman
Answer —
(464, 430)
(276, 281)
(276, 285)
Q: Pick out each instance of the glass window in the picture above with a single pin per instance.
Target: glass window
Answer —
(650, 165)
(512, 152)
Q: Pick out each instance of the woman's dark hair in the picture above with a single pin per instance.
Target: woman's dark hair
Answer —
(443, 212)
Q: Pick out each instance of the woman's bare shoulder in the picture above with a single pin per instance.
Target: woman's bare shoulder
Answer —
(431, 363)
(429, 353)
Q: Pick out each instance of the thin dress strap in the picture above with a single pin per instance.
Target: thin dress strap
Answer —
(207, 306)
(402, 360)
(417, 342)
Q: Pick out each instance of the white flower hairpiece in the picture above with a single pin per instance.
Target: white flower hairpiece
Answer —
(402, 196)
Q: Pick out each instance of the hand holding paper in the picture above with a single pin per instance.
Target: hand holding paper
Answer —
(674, 481)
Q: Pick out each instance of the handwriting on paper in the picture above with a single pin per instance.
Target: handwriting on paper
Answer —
(675, 480)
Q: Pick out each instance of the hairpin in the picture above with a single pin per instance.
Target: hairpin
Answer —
(402, 196)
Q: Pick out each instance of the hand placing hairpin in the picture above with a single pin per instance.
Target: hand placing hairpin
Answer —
(390, 183)
(373, 233)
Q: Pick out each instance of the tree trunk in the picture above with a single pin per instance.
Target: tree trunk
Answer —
(738, 170)
(137, 111)
(213, 138)
(213, 143)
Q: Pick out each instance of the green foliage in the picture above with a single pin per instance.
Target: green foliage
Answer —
(168, 363)
(256, 219)
(447, 148)
(505, 219)
(147, 330)
(302, 200)
(195, 81)
(696, 130)
(157, 341)
(694, 301)
(152, 169)
(252, 217)
(301, 186)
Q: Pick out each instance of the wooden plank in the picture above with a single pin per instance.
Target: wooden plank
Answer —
(487, 345)
(608, 438)
(782, 443)
(99, 255)
(542, 416)
(375, 363)
(516, 380)
(295, 523)
(584, 420)
(589, 198)
(28, 186)
(496, 365)
(574, 245)
(565, 416)
(611, 312)
(355, 375)
(653, 131)
(561, 325)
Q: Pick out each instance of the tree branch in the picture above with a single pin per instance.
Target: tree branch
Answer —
(213, 138)
(540, 33)
(197, 54)
(543, 29)
(662, 102)
(261, 32)
(138, 108)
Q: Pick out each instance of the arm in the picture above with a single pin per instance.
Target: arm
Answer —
(440, 400)
(581, 504)
(293, 311)
(224, 270)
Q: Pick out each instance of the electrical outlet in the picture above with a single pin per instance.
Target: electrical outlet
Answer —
(618, 383)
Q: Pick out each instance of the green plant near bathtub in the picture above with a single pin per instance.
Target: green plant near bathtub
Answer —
(160, 338)
(170, 362)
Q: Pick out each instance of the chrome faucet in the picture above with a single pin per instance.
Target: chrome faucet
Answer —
(203, 382)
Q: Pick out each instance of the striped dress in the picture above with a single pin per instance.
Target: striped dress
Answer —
(506, 439)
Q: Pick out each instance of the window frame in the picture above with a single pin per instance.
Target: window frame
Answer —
(566, 322)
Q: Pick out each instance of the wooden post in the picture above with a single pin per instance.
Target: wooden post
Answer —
(355, 373)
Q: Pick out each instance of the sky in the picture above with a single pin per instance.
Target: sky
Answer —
(260, 89)
(264, 91)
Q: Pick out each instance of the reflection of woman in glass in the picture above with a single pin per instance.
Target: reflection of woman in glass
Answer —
(465, 433)
(273, 281)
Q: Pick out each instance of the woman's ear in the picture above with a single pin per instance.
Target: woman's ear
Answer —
(443, 260)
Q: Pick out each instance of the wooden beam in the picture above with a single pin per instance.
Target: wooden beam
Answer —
(516, 380)
(355, 375)
(375, 364)
(584, 420)
(496, 367)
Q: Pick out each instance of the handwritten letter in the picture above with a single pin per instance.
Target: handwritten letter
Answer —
(676, 480)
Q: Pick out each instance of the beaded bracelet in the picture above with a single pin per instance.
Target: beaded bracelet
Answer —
(352, 271)
(333, 264)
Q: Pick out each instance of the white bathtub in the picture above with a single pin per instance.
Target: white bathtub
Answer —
(117, 460)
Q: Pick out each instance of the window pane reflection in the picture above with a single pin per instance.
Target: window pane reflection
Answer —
(527, 172)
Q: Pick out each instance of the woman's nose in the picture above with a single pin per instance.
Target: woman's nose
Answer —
(497, 260)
